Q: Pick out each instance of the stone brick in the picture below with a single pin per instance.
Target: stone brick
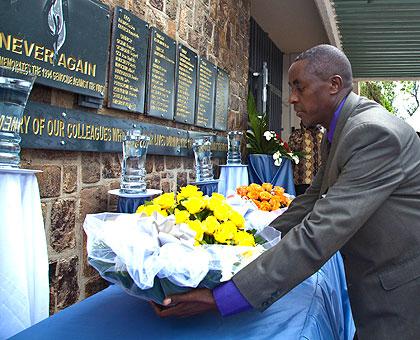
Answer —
(189, 163)
(64, 288)
(40, 94)
(159, 163)
(172, 29)
(234, 103)
(88, 270)
(149, 163)
(181, 179)
(62, 98)
(166, 186)
(171, 8)
(153, 181)
(213, 9)
(91, 167)
(208, 28)
(62, 228)
(49, 180)
(193, 39)
(158, 4)
(69, 178)
(44, 209)
(173, 162)
(111, 165)
(92, 200)
(157, 19)
(94, 286)
(139, 8)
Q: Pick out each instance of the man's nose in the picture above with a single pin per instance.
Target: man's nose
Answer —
(292, 97)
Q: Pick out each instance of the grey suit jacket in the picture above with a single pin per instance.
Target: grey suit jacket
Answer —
(370, 212)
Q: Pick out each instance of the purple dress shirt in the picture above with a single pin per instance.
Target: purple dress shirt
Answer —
(229, 299)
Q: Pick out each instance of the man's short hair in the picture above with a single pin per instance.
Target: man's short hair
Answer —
(325, 61)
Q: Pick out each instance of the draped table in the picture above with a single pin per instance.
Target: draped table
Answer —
(231, 177)
(262, 169)
(24, 287)
(316, 309)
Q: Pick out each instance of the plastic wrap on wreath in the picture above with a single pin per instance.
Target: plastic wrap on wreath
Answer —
(152, 257)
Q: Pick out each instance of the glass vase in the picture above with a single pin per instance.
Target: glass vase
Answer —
(133, 173)
(234, 147)
(202, 153)
(14, 92)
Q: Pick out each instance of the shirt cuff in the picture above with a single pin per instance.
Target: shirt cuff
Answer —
(229, 299)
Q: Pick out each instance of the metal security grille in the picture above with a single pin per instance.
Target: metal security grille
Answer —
(265, 79)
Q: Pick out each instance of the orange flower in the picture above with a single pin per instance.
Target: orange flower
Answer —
(253, 195)
(278, 191)
(265, 206)
(242, 190)
(265, 196)
(257, 203)
(275, 203)
(255, 187)
(267, 186)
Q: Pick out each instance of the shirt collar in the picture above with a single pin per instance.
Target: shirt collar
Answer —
(333, 124)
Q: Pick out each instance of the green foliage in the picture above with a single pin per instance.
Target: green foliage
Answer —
(382, 92)
(258, 124)
(385, 92)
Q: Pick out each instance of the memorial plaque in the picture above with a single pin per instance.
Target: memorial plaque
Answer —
(129, 45)
(206, 84)
(186, 83)
(161, 90)
(63, 42)
(50, 127)
(221, 100)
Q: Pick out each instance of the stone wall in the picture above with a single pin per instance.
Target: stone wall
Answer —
(74, 184)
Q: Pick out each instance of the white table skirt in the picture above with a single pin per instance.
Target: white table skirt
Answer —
(231, 177)
(24, 288)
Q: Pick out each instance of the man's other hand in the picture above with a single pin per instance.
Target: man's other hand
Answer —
(194, 302)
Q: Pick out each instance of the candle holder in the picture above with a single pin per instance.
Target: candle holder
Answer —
(202, 153)
(234, 147)
(14, 92)
(133, 174)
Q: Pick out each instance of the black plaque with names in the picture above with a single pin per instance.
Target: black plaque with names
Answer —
(186, 83)
(221, 100)
(129, 44)
(206, 84)
(161, 90)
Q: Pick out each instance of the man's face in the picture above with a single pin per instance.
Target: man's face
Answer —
(310, 96)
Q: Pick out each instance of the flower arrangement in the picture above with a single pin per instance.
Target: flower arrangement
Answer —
(265, 196)
(211, 218)
(260, 140)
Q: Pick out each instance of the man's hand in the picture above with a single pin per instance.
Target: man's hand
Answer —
(194, 302)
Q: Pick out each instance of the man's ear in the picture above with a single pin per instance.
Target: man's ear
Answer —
(336, 84)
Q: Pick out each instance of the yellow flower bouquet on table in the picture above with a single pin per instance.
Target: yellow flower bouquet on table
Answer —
(173, 243)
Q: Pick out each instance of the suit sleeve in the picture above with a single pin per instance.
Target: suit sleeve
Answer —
(369, 172)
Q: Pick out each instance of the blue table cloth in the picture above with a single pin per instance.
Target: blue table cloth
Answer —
(261, 169)
(207, 187)
(318, 308)
(231, 177)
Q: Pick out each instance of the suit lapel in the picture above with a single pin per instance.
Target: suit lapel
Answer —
(346, 111)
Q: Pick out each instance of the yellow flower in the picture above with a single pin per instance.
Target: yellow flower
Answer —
(217, 196)
(196, 226)
(225, 233)
(194, 204)
(238, 219)
(189, 191)
(149, 209)
(215, 201)
(222, 211)
(181, 216)
(210, 225)
(242, 238)
(166, 200)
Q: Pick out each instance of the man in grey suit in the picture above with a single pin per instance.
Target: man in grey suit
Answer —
(364, 201)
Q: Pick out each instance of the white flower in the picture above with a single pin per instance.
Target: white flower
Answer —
(295, 159)
(277, 155)
(277, 161)
(269, 134)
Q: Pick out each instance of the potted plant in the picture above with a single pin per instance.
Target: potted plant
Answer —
(269, 157)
